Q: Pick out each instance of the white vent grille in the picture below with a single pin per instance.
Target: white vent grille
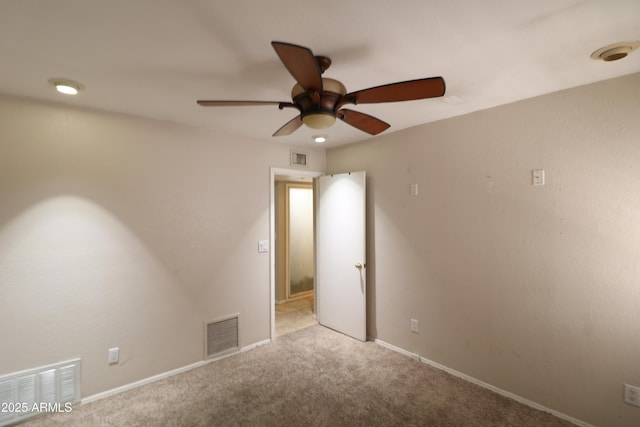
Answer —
(45, 389)
(221, 337)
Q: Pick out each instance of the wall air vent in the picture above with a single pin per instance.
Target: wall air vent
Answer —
(52, 388)
(221, 337)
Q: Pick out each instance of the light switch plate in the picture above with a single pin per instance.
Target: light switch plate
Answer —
(537, 177)
(263, 246)
(632, 395)
(415, 326)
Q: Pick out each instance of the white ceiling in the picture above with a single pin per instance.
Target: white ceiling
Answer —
(155, 58)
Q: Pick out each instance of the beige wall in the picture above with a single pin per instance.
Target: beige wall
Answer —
(119, 231)
(535, 290)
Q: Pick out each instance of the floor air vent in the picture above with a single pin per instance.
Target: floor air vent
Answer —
(221, 337)
(51, 388)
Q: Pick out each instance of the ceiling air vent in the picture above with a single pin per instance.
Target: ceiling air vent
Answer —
(221, 337)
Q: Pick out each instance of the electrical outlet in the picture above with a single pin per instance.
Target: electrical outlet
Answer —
(631, 395)
(113, 355)
(414, 326)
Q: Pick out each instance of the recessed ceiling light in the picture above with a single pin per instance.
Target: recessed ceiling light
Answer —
(68, 87)
(319, 138)
(616, 51)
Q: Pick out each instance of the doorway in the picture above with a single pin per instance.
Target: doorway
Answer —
(295, 265)
(339, 272)
(293, 301)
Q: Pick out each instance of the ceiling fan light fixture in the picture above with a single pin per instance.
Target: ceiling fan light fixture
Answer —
(319, 120)
(616, 51)
(334, 86)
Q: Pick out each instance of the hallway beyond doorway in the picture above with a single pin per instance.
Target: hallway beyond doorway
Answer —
(295, 314)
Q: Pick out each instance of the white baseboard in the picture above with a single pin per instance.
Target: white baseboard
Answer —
(255, 345)
(397, 349)
(168, 374)
(483, 384)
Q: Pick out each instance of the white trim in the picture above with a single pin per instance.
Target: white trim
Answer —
(397, 349)
(483, 384)
(167, 374)
(255, 345)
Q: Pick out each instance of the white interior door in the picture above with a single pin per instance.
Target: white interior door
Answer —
(340, 254)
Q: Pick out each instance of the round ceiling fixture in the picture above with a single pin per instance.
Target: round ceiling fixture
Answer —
(65, 86)
(319, 138)
(616, 51)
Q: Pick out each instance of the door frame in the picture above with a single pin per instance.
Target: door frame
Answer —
(272, 234)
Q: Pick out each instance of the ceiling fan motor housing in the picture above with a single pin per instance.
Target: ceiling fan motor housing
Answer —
(318, 110)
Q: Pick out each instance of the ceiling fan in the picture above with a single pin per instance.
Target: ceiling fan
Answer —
(320, 100)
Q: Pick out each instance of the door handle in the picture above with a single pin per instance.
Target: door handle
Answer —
(358, 265)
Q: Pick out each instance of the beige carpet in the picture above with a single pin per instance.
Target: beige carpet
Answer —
(312, 377)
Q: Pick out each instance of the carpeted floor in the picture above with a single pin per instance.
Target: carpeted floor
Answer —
(311, 377)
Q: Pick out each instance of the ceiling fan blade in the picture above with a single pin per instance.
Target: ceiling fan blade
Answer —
(289, 127)
(430, 87)
(237, 103)
(301, 64)
(364, 122)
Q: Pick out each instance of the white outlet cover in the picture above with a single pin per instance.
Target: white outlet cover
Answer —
(263, 246)
(114, 355)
